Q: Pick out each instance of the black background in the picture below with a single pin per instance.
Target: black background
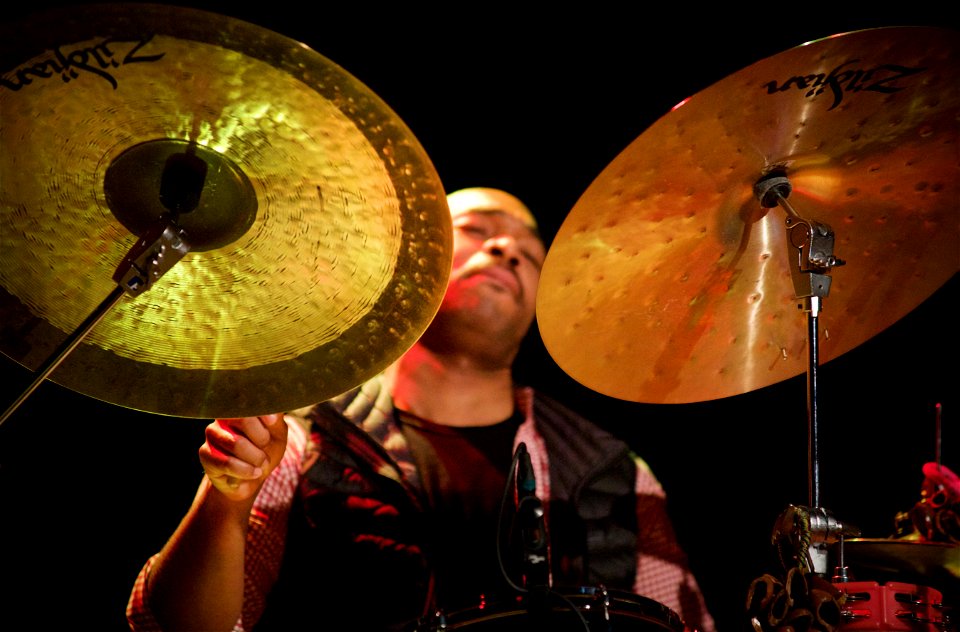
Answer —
(535, 100)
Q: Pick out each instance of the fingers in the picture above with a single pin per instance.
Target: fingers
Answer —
(275, 426)
(241, 450)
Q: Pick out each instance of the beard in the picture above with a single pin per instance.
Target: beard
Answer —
(485, 322)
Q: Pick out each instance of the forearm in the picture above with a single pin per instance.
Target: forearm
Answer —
(197, 583)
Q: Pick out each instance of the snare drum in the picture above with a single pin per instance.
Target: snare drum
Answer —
(582, 610)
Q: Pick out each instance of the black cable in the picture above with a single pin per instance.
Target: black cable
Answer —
(511, 482)
(507, 493)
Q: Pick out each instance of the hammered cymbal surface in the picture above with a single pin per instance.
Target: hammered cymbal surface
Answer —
(349, 243)
(669, 282)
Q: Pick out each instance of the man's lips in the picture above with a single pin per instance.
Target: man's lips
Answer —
(500, 275)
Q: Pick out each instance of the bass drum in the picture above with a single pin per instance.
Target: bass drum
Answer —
(583, 610)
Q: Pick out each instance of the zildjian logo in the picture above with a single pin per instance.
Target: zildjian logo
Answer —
(843, 79)
(96, 60)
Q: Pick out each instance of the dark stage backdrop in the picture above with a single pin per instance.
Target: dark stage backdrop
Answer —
(536, 100)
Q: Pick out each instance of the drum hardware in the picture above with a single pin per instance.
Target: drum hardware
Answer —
(802, 537)
(532, 525)
(320, 241)
(802, 600)
(522, 531)
(916, 566)
(892, 606)
(154, 253)
(936, 516)
(810, 269)
(584, 609)
(938, 441)
(536, 603)
(803, 534)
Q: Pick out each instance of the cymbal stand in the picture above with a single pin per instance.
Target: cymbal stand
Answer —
(811, 258)
(156, 251)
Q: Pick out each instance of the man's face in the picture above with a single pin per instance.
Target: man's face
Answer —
(496, 269)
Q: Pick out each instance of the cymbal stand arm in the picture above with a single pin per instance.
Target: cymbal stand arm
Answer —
(155, 252)
(812, 243)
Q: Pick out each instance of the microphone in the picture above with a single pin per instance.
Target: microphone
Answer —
(530, 515)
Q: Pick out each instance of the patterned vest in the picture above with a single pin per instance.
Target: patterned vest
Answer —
(354, 550)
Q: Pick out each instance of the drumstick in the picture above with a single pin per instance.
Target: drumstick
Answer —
(939, 408)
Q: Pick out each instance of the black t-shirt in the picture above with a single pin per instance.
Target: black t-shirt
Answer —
(465, 472)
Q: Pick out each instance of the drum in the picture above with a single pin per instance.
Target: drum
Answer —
(582, 610)
(894, 606)
(901, 584)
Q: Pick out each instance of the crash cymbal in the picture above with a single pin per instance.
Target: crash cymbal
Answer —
(321, 239)
(670, 282)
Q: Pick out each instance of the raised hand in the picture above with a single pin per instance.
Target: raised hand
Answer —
(239, 454)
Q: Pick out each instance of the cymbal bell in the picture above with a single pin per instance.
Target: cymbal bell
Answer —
(669, 281)
(321, 237)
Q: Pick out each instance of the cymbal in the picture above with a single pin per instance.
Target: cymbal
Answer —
(321, 238)
(925, 559)
(670, 282)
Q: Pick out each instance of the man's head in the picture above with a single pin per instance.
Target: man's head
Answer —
(497, 256)
(485, 199)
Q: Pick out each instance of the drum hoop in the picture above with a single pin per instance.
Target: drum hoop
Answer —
(622, 604)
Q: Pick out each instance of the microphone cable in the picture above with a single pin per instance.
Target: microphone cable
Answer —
(519, 453)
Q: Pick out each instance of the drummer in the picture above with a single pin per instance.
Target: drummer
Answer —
(384, 505)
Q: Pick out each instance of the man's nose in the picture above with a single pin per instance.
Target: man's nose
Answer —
(504, 247)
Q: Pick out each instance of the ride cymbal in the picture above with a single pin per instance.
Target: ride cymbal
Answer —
(670, 282)
(321, 239)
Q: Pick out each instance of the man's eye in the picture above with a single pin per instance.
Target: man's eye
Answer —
(473, 230)
(533, 259)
